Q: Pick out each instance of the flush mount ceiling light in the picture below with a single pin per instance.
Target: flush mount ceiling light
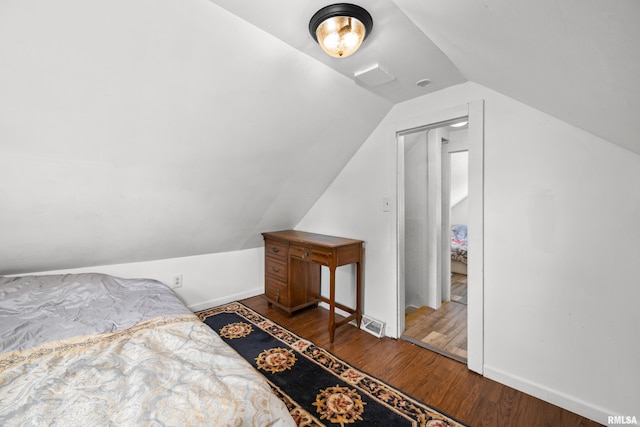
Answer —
(340, 28)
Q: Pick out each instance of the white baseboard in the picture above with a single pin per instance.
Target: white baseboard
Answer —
(565, 401)
(227, 299)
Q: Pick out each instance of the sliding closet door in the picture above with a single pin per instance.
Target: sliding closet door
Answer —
(426, 210)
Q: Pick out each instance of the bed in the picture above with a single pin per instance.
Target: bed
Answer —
(93, 349)
(459, 249)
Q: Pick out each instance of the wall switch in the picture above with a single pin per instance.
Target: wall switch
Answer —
(386, 204)
(176, 281)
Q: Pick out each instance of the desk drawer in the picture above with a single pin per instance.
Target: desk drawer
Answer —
(316, 255)
(276, 291)
(300, 252)
(320, 257)
(275, 267)
(276, 248)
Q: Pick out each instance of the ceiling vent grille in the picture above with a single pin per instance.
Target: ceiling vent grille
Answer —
(373, 76)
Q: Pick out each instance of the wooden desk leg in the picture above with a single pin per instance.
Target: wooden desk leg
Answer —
(332, 302)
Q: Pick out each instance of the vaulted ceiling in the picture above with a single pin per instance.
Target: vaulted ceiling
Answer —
(153, 129)
(572, 59)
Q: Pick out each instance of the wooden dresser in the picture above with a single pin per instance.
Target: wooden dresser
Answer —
(293, 261)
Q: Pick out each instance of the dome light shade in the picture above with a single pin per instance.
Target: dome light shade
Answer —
(340, 28)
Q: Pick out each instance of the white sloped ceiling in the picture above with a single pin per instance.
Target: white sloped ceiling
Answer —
(573, 59)
(134, 131)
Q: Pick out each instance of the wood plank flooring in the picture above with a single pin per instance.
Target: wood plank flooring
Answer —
(435, 379)
(443, 330)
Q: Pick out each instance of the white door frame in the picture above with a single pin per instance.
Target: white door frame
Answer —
(475, 267)
(435, 249)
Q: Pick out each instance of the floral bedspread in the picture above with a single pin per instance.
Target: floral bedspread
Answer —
(459, 243)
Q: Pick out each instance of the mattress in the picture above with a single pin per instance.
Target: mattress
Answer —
(93, 349)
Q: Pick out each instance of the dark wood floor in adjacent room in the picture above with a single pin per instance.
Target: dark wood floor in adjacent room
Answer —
(437, 380)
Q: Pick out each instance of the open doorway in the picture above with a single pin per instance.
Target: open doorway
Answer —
(436, 224)
(437, 262)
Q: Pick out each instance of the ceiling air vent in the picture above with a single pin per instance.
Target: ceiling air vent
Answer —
(373, 76)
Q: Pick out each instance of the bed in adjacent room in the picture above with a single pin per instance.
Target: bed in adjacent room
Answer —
(92, 349)
(459, 249)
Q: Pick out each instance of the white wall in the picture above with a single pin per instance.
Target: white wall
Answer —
(415, 217)
(208, 280)
(133, 131)
(460, 188)
(460, 212)
(561, 209)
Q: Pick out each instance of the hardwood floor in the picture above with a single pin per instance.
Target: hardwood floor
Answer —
(443, 330)
(435, 379)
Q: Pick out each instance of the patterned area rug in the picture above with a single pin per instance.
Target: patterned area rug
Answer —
(318, 388)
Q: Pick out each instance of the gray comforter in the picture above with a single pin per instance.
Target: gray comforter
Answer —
(38, 309)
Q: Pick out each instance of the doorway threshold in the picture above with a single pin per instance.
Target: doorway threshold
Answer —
(429, 347)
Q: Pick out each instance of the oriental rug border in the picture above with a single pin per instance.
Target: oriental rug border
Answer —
(319, 388)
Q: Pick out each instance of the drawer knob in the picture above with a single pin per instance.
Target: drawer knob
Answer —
(306, 254)
(275, 269)
(275, 249)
